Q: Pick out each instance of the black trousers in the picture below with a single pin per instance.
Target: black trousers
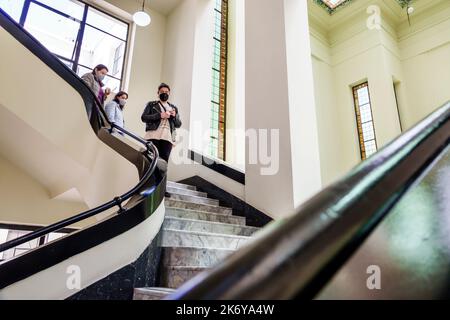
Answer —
(164, 148)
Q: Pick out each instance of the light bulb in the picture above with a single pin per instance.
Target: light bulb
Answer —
(142, 19)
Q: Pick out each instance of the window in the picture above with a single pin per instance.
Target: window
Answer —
(364, 119)
(219, 79)
(333, 3)
(12, 7)
(8, 235)
(118, 57)
(78, 34)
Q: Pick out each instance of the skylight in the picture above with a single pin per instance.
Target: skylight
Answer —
(332, 4)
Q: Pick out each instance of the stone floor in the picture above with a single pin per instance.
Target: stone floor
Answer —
(197, 235)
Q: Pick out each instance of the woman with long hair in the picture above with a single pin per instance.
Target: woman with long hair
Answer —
(94, 80)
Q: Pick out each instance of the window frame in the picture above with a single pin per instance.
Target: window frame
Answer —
(74, 61)
(22, 230)
(219, 118)
(359, 123)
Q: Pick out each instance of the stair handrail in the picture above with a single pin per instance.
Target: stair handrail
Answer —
(297, 256)
(99, 122)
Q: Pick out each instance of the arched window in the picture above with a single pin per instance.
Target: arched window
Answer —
(219, 80)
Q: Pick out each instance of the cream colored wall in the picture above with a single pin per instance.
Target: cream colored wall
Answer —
(235, 139)
(369, 66)
(350, 53)
(187, 67)
(327, 113)
(178, 71)
(48, 126)
(425, 50)
(147, 58)
(201, 78)
(25, 201)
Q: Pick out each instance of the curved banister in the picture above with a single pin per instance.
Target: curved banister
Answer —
(145, 160)
(296, 257)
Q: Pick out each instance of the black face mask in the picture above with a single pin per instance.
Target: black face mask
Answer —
(164, 97)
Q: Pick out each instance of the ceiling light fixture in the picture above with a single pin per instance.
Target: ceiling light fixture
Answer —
(409, 11)
(409, 8)
(142, 18)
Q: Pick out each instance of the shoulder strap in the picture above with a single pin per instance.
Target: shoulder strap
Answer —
(162, 106)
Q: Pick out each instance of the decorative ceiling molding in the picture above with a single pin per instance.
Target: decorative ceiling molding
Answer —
(332, 9)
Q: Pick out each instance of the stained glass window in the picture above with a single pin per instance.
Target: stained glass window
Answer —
(218, 96)
(364, 119)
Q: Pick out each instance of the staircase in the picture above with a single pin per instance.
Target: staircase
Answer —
(197, 235)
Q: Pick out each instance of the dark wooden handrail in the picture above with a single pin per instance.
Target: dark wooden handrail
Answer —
(296, 257)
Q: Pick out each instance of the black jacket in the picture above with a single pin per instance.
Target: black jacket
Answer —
(152, 117)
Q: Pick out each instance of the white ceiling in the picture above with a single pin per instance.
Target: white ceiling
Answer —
(162, 6)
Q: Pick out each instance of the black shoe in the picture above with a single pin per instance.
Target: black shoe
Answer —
(167, 195)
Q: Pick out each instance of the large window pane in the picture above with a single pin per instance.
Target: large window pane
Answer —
(13, 234)
(57, 33)
(106, 23)
(368, 131)
(366, 113)
(99, 47)
(54, 236)
(112, 83)
(363, 96)
(12, 8)
(72, 8)
(82, 70)
(67, 63)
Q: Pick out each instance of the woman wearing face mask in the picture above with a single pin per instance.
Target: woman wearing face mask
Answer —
(94, 80)
(162, 119)
(114, 109)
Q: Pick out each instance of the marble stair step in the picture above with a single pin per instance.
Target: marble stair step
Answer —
(186, 192)
(204, 216)
(193, 257)
(151, 293)
(195, 200)
(180, 204)
(181, 238)
(175, 223)
(175, 277)
(173, 184)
